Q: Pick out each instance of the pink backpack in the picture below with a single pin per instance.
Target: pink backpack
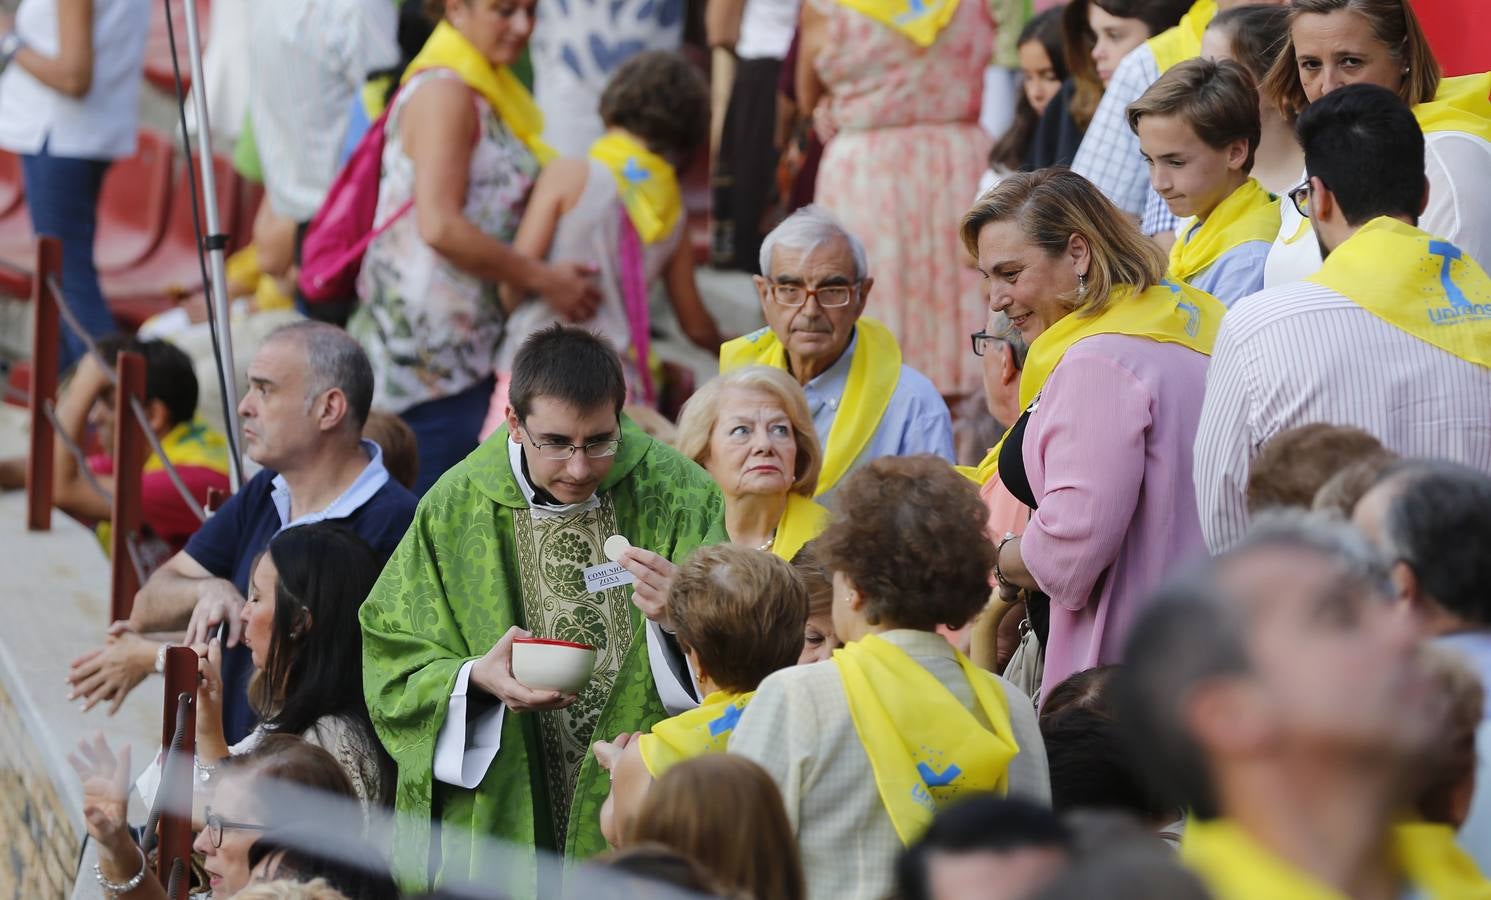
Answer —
(338, 236)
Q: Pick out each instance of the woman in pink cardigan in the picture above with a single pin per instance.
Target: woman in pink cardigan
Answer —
(1112, 390)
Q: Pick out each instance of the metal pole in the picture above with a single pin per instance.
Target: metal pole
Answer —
(216, 246)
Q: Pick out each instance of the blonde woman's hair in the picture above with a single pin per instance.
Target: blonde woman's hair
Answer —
(1052, 205)
(697, 420)
(1394, 25)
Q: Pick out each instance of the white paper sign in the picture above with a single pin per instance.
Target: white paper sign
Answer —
(606, 576)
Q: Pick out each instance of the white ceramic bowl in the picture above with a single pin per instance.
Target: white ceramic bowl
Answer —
(549, 665)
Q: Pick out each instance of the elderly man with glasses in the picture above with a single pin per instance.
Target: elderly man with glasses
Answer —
(865, 402)
(522, 540)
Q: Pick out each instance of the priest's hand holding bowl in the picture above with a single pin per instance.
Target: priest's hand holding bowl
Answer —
(493, 673)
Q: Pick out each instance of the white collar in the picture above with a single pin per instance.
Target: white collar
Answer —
(515, 459)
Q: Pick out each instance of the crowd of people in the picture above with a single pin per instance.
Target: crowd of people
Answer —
(1210, 618)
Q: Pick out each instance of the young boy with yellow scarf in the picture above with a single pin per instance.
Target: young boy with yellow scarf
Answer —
(1199, 127)
(740, 615)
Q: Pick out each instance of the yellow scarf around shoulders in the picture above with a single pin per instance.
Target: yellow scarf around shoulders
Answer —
(1416, 282)
(192, 444)
(801, 521)
(1460, 104)
(874, 373)
(645, 182)
(704, 729)
(1182, 42)
(1249, 213)
(1169, 312)
(1234, 866)
(919, 20)
(925, 747)
(447, 48)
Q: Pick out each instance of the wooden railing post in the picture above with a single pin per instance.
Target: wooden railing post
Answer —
(129, 466)
(46, 341)
(177, 778)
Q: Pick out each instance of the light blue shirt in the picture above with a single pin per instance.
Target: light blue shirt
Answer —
(1475, 835)
(915, 421)
(368, 481)
(1236, 273)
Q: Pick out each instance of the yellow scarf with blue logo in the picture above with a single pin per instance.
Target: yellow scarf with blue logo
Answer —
(705, 729)
(1415, 282)
(801, 521)
(874, 373)
(919, 20)
(1169, 312)
(1176, 45)
(192, 444)
(447, 48)
(925, 747)
(1460, 104)
(646, 184)
(1234, 866)
(1249, 213)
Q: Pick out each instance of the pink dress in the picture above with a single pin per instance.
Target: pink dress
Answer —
(904, 161)
(1108, 453)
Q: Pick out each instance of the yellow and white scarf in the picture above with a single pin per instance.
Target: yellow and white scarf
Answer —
(1249, 213)
(1168, 312)
(447, 48)
(645, 182)
(925, 747)
(1416, 282)
(1182, 42)
(919, 20)
(704, 729)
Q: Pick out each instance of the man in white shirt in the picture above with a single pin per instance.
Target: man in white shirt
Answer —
(1307, 352)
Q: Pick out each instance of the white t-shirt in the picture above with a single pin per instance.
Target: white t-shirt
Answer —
(102, 123)
(766, 29)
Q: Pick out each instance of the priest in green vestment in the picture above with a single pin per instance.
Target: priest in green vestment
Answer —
(499, 548)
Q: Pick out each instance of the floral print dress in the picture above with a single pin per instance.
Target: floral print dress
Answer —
(430, 329)
(905, 158)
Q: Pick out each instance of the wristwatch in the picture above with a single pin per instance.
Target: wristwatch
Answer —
(10, 44)
(160, 659)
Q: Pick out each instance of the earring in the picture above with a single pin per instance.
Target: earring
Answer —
(1081, 286)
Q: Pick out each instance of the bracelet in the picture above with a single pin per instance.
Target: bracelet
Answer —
(204, 771)
(998, 551)
(10, 45)
(124, 887)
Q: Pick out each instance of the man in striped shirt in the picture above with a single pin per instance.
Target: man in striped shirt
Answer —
(1307, 352)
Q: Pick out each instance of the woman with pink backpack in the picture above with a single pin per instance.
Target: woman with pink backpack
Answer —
(461, 151)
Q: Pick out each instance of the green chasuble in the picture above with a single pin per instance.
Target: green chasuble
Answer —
(477, 561)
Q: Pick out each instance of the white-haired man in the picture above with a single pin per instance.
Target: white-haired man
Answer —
(865, 402)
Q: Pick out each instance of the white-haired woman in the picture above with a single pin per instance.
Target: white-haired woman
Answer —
(751, 430)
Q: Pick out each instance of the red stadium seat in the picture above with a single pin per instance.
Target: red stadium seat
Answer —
(133, 203)
(158, 70)
(172, 271)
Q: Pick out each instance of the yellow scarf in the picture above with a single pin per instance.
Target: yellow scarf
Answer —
(192, 444)
(1168, 312)
(705, 729)
(874, 373)
(1427, 287)
(647, 185)
(1248, 214)
(1460, 104)
(447, 48)
(801, 521)
(1236, 867)
(925, 747)
(1183, 42)
(919, 20)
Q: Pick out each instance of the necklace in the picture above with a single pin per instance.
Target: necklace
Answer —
(772, 539)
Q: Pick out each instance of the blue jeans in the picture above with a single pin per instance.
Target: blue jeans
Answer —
(447, 430)
(62, 194)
